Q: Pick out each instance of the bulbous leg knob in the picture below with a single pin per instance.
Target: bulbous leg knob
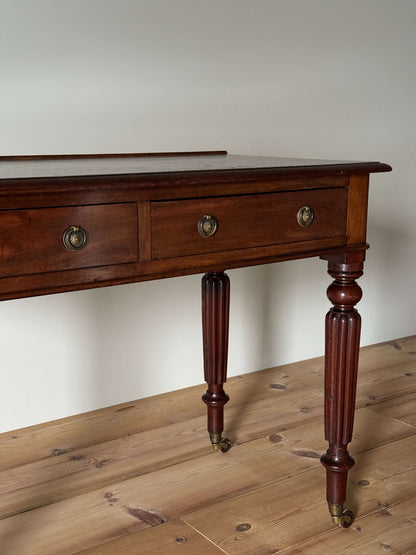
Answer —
(342, 517)
(219, 443)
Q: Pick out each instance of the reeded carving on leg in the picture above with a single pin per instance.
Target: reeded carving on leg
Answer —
(215, 323)
(342, 341)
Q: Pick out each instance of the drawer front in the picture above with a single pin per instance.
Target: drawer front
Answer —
(31, 241)
(245, 221)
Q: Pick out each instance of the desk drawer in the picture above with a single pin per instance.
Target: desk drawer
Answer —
(31, 241)
(245, 221)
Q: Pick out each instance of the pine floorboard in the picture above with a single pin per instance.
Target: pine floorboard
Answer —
(140, 478)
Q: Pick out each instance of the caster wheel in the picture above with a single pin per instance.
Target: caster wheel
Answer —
(225, 445)
(346, 518)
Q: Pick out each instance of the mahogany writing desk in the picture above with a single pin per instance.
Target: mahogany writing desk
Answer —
(79, 222)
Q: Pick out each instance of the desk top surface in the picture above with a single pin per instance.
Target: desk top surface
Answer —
(26, 167)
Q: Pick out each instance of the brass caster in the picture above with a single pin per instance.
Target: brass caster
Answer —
(225, 444)
(347, 518)
(219, 443)
(343, 517)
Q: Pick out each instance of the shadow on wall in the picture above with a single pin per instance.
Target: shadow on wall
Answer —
(282, 308)
(150, 339)
(150, 334)
(49, 346)
(389, 302)
(90, 349)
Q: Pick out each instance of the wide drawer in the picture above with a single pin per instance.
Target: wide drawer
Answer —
(31, 241)
(245, 221)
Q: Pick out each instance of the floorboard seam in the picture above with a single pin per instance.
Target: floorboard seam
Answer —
(203, 535)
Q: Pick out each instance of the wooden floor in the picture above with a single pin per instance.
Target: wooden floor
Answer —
(141, 477)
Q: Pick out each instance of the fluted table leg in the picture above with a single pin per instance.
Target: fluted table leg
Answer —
(342, 341)
(215, 321)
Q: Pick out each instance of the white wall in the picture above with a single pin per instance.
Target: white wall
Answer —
(313, 78)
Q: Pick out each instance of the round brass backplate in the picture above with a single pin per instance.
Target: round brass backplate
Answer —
(74, 238)
(207, 226)
(305, 216)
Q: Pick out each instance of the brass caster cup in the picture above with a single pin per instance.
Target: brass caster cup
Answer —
(343, 517)
(219, 443)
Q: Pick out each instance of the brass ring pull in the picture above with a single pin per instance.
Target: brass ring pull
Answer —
(74, 238)
(207, 226)
(305, 216)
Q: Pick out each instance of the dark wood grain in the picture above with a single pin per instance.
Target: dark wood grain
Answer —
(61, 166)
(104, 276)
(51, 157)
(31, 240)
(67, 191)
(246, 221)
(140, 213)
(145, 238)
(357, 209)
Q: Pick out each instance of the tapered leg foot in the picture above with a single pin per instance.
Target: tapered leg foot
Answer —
(342, 517)
(215, 318)
(215, 403)
(219, 443)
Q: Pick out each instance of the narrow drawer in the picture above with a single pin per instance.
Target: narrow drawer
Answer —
(245, 221)
(31, 241)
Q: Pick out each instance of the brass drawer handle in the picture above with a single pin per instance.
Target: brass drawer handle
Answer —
(207, 226)
(74, 238)
(305, 216)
